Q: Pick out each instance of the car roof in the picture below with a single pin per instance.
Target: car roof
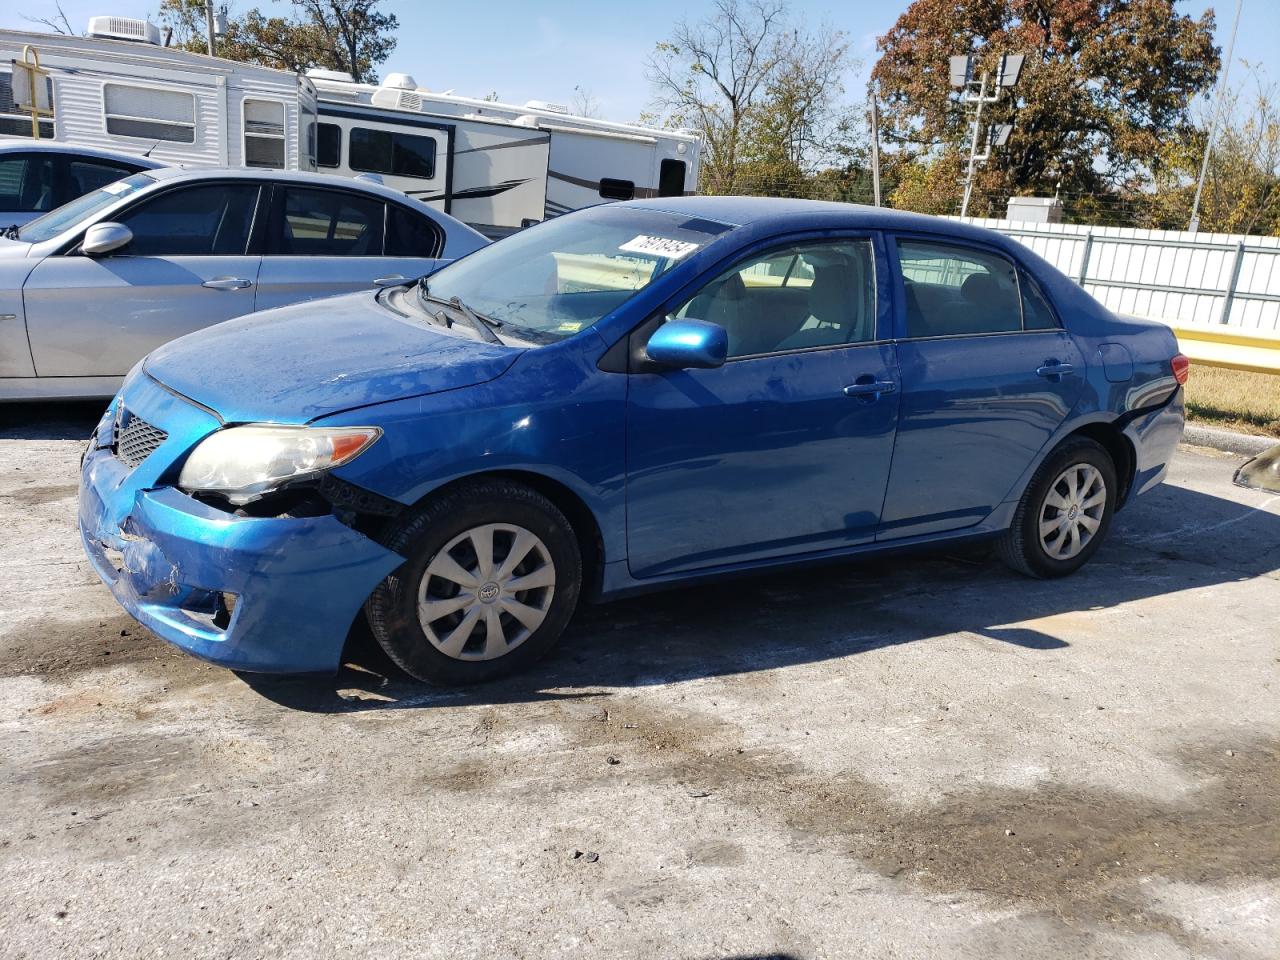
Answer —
(171, 174)
(16, 145)
(785, 213)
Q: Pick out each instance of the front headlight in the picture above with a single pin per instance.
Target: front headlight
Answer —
(242, 463)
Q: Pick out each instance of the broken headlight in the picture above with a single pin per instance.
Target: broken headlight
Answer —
(243, 463)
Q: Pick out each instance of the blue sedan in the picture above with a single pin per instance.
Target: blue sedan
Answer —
(625, 398)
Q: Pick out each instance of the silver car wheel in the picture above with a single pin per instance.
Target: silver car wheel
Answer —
(486, 592)
(1072, 511)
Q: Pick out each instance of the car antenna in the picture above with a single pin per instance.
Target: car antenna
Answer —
(150, 148)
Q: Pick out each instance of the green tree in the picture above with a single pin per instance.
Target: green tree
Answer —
(1242, 182)
(762, 90)
(350, 35)
(1104, 85)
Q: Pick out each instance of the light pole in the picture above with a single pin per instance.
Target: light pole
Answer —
(1194, 225)
(975, 93)
(875, 141)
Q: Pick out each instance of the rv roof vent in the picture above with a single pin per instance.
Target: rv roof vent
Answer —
(546, 105)
(338, 76)
(124, 28)
(400, 81)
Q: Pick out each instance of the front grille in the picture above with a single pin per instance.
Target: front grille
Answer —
(135, 439)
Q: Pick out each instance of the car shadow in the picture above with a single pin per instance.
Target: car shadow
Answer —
(1166, 542)
(61, 420)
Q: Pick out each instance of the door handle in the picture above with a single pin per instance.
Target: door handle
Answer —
(871, 388)
(1054, 369)
(227, 283)
(389, 281)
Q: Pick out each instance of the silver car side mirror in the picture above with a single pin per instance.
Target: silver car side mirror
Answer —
(103, 238)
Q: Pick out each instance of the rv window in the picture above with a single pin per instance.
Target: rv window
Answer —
(329, 223)
(13, 122)
(671, 179)
(617, 189)
(26, 183)
(149, 114)
(401, 154)
(204, 221)
(264, 134)
(329, 145)
(411, 234)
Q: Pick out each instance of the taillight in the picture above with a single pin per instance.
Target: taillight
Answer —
(1181, 367)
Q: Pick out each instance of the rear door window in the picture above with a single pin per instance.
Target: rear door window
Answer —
(411, 234)
(954, 290)
(328, 223)
(210, 220)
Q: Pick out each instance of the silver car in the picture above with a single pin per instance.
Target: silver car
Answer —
(37, 176)
(90, 288)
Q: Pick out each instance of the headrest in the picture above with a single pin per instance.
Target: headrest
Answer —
(980, 289)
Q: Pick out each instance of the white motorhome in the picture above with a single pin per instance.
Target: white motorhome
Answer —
(120, 89)
(497, 166)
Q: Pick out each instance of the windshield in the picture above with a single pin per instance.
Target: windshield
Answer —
(69, 214)
(559, 277)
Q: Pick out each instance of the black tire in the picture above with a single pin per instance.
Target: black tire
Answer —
(422, 533)
(1021, 547)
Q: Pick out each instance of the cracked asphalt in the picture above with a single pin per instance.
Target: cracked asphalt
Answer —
(920, 757)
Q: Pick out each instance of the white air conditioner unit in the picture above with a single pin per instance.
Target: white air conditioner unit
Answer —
(396, 99)
(124, 28)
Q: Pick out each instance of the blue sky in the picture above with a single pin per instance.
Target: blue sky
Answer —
(542, 50)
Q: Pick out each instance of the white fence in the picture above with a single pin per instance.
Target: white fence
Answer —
(1207, 278)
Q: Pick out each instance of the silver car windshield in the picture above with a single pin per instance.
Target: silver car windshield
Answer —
(553, 280)
(69, 214)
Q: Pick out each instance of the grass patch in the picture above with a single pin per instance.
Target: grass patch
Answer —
(1234, 399)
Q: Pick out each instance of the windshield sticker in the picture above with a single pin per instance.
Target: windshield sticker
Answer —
(569, 327)
(659, 247)
(118, 187)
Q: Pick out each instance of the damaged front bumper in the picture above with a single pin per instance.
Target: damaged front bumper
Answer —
(271, 595)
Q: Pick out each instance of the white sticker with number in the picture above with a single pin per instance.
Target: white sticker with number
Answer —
(659, 247)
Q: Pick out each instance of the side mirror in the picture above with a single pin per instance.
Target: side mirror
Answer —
(104, 238)
(682, 344)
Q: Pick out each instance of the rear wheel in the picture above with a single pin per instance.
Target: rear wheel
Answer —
(1064, 513)
(492, 577)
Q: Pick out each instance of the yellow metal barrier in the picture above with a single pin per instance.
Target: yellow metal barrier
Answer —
(1230, 347)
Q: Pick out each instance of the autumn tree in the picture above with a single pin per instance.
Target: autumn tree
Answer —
(1105, 84)
(350, 35)
(761, 88)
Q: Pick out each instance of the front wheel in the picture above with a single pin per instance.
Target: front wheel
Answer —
(492, 576)
(1064, 513)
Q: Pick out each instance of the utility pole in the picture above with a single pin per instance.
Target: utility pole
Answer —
(1194, 225)
(208, 16)
(875, 141)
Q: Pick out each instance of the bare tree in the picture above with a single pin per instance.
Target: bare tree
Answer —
(711, 73)
(59, 24)
(763, 90)
(584, 103)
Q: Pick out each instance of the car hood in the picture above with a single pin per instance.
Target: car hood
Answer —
(12, 249)
(297, 363)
